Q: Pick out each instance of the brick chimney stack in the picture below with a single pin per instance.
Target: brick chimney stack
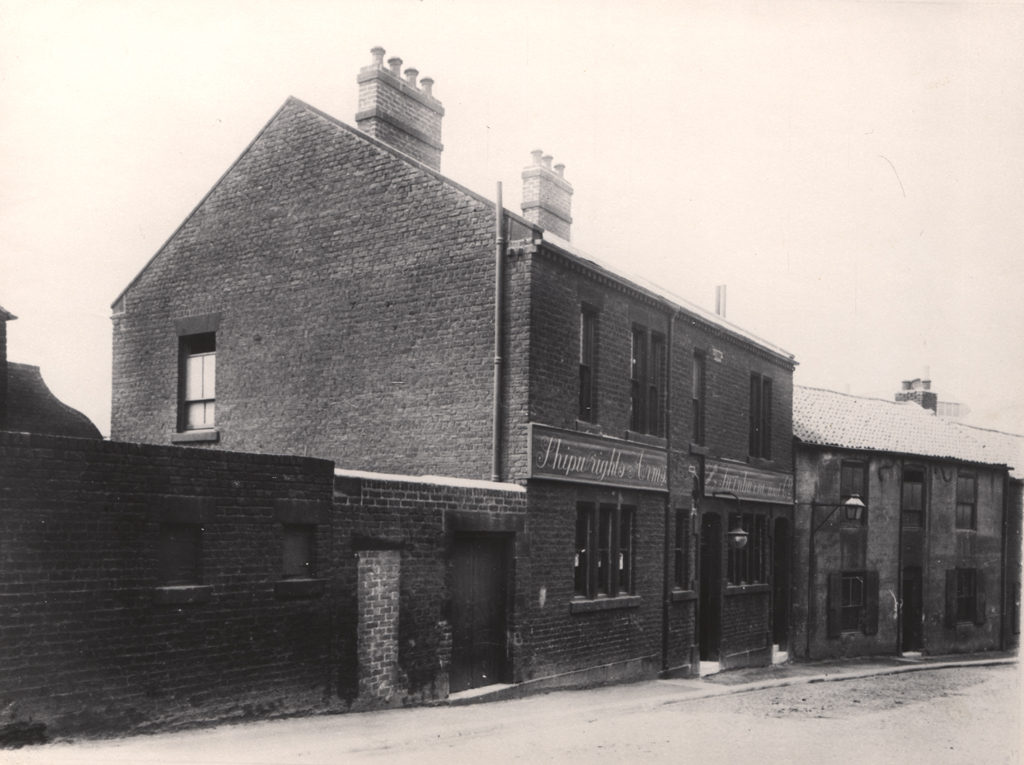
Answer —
(398, 111)
(547, 196)
(920, 392)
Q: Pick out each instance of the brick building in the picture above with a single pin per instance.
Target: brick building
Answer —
(335, 295)
(931, 562)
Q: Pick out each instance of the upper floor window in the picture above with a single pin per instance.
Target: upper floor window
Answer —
(760, 416)
(588, 332)
(698, 397)
(912, 502)
(647, 383)
(966, 501)
(198, 381)
(853, 481)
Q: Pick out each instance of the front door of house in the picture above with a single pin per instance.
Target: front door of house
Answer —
(911, 627)
(710, 585)
(479, 606)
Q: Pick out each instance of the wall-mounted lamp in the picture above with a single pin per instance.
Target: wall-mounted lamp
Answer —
(737, 538)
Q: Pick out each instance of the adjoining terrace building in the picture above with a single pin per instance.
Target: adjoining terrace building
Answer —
(334, 295)
(930, 561)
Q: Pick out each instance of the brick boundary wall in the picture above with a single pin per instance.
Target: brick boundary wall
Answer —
(87, 646)
(377, 633)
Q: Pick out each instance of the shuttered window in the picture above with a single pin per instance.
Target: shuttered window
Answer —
(965, 596)
(852, 602)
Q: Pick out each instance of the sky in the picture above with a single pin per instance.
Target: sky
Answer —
(853, 172)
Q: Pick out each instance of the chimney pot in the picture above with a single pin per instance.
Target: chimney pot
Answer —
(378, 57)
(907, 384)
(536, 155)
(560, 169)
(411, 75)
(396, 66)
(428, 86)
(547, 161)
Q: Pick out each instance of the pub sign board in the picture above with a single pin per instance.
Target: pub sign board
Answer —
(747, 483)
(565, 455)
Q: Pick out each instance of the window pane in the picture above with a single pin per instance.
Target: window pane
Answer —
(604, 551)
(581, 569)
(194, 378)
(625, 551)
(200, 415)
(209, 376)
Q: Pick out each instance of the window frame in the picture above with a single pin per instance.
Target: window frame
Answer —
(681, 551)
(965, 505)
(846, 487)
(202, 345)
(913, 516)
(588, 357)
(761, 414)
(604, 565)
(293, 533)
(171, 572)
(699, 396)
(648, 362)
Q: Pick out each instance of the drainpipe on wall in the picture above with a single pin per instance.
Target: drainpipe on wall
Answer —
(899, 559)
(1003, 589)
(667, 570)
(499, 295)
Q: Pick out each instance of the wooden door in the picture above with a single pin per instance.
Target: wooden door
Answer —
(479, 606)
(780, 583)
(710, 586)
(911, 627)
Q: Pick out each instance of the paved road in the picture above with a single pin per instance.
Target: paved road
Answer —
(955, 716)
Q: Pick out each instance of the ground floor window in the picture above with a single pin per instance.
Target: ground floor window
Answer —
(852, 602)
(603, 564)
(965, 596)
(682, 550)
(748, 565)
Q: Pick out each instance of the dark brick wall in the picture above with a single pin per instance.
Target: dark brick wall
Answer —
(85, 647)
(561, 641)
(356, 294)
(415, 518)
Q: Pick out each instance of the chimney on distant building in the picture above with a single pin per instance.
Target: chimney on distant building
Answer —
(5, 316)
(920, 392)
(398, 111)
(547, 196)
(720, 300)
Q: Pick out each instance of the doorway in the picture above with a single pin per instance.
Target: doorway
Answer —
(710, 586)
(780, 583)
(911, 627)
(479, 610)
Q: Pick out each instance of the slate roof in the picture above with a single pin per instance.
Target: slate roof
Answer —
(6, 315)
(32, 408)
(828, 418)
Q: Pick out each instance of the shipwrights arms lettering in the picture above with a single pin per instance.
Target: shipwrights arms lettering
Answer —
(582, 458)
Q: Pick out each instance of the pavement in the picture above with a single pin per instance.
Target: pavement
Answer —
(745, 680)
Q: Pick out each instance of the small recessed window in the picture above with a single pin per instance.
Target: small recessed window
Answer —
(299, 548)
(913, 497)
(179, 553)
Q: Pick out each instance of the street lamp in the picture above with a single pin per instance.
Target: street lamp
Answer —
(854, 510)
(737, 538)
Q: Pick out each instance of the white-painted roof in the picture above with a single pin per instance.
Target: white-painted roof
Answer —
(435, 480)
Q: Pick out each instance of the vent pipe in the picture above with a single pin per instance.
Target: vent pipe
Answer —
(720, 300)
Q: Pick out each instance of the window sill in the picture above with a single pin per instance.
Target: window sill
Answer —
(589, 427)
(747, 589)
(760, 462)
(297, 589)
(680, 596)
(703, 451)
(182, 593)
(195, 436)
(643, 438)
(603, 604)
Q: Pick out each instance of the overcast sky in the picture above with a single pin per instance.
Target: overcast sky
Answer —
(853, 171)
